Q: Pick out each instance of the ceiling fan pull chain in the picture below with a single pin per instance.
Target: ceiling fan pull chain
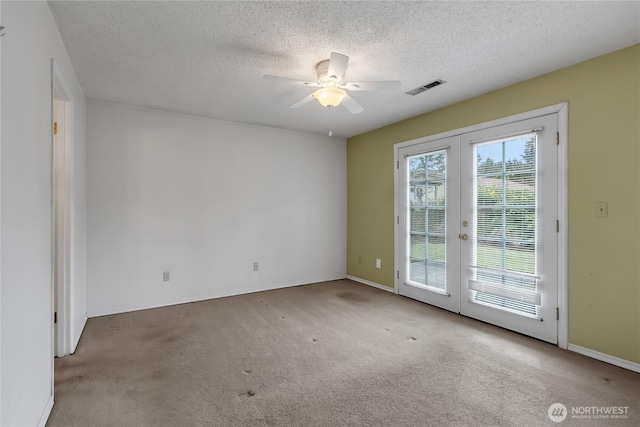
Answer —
(330, 121)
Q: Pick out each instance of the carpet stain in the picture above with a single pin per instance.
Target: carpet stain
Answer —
(170, 339)
(387, 329)
(352, 297)
(607, 380)
(157, 375)
(154, 334)
(315, 340)
(248, 393)
(412, 339)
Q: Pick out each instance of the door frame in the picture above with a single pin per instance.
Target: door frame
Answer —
(61, 295)
(1, 35)
(562, 111)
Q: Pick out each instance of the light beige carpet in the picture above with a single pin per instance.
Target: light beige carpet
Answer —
(327, 354)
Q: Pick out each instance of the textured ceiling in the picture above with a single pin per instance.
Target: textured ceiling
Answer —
(208, 58)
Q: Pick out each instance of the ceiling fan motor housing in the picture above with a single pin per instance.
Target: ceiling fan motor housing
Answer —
(324, 79)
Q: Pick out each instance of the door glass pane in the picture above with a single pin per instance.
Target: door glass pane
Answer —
(427, 203)
(504, 247)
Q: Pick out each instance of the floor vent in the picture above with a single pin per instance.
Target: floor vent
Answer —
(420, 89)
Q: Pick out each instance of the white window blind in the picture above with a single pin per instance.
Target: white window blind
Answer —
(505, 243)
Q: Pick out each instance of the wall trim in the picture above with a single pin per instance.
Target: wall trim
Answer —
(46, 412)
(188, 301)
(563, 216)
(373, 284)
(613, 360)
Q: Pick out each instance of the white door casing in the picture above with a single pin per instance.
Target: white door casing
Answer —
(61, 197)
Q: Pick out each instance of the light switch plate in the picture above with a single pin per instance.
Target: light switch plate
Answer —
(602, 209)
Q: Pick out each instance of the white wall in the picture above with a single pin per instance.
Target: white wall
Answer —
(30, 42)
(204, 199)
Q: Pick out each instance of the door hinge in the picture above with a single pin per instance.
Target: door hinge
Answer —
(557, 225)
(55, 317)
(557, 313)
(1, 31)
(557, 138)
(398, 219)
(398, 274)
(55, 128)
(398, 164)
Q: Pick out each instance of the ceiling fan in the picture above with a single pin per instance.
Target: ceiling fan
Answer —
(331, 84)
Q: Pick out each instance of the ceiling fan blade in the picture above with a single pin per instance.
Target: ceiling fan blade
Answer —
(393, 85)
(351, 105)
(337, 65)
(287, 79)
(302, 101)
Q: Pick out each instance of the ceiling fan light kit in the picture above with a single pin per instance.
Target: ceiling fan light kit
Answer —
(329, 96)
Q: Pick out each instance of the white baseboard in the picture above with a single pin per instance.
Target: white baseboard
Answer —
(374, 284)
(206, 298)
(76, 338)
(613, 360)
(47, 411)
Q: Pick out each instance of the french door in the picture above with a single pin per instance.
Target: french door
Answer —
(477, 225)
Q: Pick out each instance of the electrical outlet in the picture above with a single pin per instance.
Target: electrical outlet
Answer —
(378, 263)
(602, 209)
(166, 276)
(256, 266)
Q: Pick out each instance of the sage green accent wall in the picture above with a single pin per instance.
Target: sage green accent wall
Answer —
(604, 162)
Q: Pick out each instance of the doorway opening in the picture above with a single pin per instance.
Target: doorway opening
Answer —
(61, 221)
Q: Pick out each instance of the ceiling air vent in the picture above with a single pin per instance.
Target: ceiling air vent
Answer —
(420, 89)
